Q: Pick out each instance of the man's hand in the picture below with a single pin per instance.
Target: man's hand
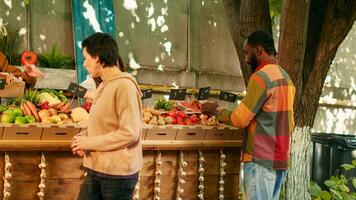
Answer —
(209, 108)
(32, 70)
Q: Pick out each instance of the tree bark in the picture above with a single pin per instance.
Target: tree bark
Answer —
(311, 32)
(292, 42)
(243, 18)
(307, 50)
(339, 18)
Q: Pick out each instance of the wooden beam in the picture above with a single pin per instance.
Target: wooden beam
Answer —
(64, 145)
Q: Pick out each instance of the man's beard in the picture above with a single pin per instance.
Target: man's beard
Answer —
(254, 63)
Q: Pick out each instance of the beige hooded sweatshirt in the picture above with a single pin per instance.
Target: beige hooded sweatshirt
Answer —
(113, 138)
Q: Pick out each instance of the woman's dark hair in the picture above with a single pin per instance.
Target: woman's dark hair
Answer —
(263, 39)
(105, 47)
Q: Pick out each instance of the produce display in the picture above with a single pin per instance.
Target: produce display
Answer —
(177, 112)
(51, 116)
(45, 106)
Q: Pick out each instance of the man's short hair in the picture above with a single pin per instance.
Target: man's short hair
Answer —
(264, 40)
(103, 46)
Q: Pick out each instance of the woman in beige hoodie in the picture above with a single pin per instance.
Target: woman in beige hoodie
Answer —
(111, 146)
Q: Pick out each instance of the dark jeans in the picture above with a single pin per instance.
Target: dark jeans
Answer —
(99, 188)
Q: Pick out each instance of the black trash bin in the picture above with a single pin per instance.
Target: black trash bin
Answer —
(329, 152)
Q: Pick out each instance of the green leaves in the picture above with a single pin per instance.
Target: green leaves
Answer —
(27, 2)
(54, 59)
(162, 103)
(337, 187)
(314, 189)
(347, 167)
(325, 195)
(9, 44)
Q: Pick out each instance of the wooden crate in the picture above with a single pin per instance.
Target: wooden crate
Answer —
(22, 132)
(191, 133)
(236, 133)
(213, 133)
(59, 132)
(161, 133)
(145, 128)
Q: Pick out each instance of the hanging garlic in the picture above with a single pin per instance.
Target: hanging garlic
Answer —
(201, 176)
(157, 187)
(137, 190)
(181, 175)
(42, 184)
(222, 174)
(8, 175)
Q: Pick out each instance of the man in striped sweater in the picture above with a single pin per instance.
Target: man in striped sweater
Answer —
(267, 114)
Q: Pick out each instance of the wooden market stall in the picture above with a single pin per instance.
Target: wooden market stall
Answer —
(205, 158)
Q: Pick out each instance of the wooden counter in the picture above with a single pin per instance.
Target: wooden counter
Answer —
(64, 172)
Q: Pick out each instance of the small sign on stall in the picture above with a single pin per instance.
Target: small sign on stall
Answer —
(204, 93)
(227, 96)
(77, 90)
(177, 94)
(146, 94)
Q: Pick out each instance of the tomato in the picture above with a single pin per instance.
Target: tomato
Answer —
(174, 120)
(172, 114)
(194, 118)
(188, 122)
(181, 114)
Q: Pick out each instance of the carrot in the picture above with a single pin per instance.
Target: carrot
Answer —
(25, 109)
(60, 105)
(66, 107)
(33, 110)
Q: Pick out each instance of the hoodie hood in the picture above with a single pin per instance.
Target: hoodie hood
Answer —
(113, 73)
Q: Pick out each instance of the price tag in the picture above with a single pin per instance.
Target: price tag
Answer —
(177, 94)
(146, 94)
(2, 83)
(77, 90)
(227, 96)
(204, 93)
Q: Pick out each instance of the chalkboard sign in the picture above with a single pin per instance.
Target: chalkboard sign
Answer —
(204, 93)
(146, 94)
(77, 90)
(227, 96)
(2, 83)
(177, 94)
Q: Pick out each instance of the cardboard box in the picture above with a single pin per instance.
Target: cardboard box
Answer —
(59, 132)
(161, 133)
(145, 128)
(236, 133)
(16, 89)
(214, 133)
(191, 133)
(21, 132)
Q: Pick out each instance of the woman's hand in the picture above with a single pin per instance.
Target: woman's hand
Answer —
(75, 148)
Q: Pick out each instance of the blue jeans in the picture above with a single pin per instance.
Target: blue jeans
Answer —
(261, 183)
(99, 188)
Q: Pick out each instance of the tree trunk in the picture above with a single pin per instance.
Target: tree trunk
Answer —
(243, 18)
(311, 32)
(339, 18)
(306, 51)
(291, 50)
